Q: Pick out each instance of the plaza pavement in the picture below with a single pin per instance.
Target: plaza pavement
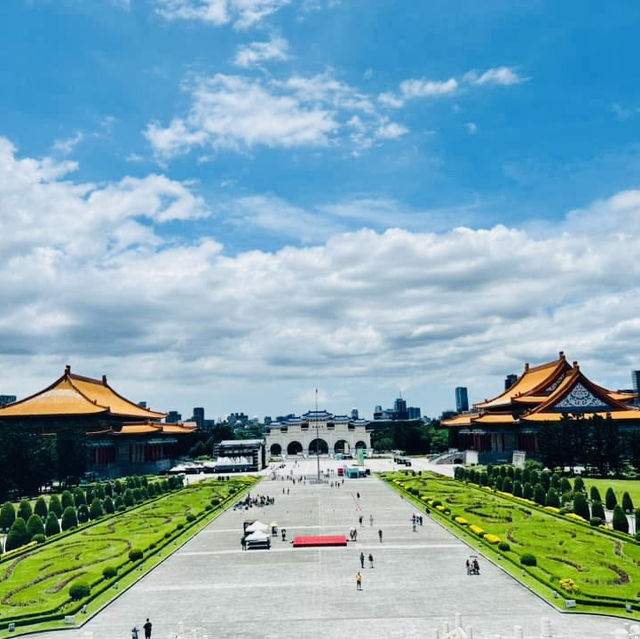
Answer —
(210, 588)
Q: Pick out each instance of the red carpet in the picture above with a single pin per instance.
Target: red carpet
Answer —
(326, 540)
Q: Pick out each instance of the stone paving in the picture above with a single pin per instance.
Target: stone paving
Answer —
(211, 588)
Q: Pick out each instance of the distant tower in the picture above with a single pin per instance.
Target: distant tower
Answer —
(198, 416)
(400, 409)
(462, 399)
(7, 399)
(510, 380)
(354, 413)
(635, 377)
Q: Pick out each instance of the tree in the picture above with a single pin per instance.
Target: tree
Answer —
(578, 484)
(498, 482)
(507, 485)
(128, 497)
(17, 535)
(597, 510)
(69, 518)
(627, 504)
(610, 499)
(108, 505)
(83, 513)
(539, 495)
(71, 446)
(565, 485)
(35, 526)
(545, 480)
(67, 500)
(7, 515)
(594, 493)
(41, 508)
(198, 450)
(79, 497)
(51, 526)
(580, 506)
(527, 491)
(517, 489)
(24, 509)
(55, 506)
(633, 446)
(620, 521)
(554, 481)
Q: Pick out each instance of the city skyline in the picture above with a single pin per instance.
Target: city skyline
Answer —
(229, 204)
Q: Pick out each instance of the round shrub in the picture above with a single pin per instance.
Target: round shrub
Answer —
(135, 554)
(191, 517)
(109, 572)
(610, 499)
(596, 521)
(504, 546)
(527, 559)
(597, 510)
(96, 509)
(167, 535)
(69, 518)
(17, 535)
(24, 510)
(51, 526)
(79, 591)
(39, 538)
(67, 499)
(627, 504)
(620, 521)
(83, 513)
(180, 526)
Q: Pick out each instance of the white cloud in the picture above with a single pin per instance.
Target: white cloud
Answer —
(505, 76)
(237, 112)
(391, 130)
(243, 13)
(90, 278)
(471, 127)
(427, 88)
(67, 145)
(253, 54)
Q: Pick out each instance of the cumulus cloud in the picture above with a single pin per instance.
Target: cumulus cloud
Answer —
(90, 277)
(505, 76)
(257, 52)
(236, 112)
(243, 13)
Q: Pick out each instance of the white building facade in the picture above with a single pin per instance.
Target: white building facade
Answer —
(318, 431)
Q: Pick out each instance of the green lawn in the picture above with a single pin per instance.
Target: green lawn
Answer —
(606, 569)
(38, 582)
(632, 486)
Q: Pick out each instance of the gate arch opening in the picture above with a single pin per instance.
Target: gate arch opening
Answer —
(341, 446)
(294, 448)
(361, 444)
(318, 446)
(276, 450)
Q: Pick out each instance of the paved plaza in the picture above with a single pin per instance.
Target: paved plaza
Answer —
(211, 588)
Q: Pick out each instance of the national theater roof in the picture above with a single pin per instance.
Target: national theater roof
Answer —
(75, 395)
(545, 393)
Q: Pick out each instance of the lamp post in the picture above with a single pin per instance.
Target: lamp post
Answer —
(317, 437)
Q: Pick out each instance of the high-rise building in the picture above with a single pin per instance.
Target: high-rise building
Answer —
(510, 380)
(7, 399)
(173, 417)
(198, 416)
(635, 377)
(400, 408)
(462, 399)
(354, 413)
(414, 412)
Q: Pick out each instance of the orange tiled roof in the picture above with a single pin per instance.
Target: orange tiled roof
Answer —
(75, 395)
(495, 418)
(460, 420)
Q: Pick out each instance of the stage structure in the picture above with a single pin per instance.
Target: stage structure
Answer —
(240, 455)
(318, 432)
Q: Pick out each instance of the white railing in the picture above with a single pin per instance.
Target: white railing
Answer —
(457, 631)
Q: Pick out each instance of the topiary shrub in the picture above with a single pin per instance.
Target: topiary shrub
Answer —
(517, 488)
(527, 490)
(108, 506)
(109, 572)
(67, 500)
(627, 504)
(69, 518)
(594, 493)
(7, 515)
(552, 498)
(79, 591)
(597, 510)
(40, 508)
(507, 485)
(96, 509)
(554, 481)
(539, 495)
(545, 480)
(135, 554)
(51, 526)
(499, 481)
(167, 535)
(55, 506)
(610, 499)
(527, 559)
(580, 506)
(504, 546)
(17, 535)
(578, 484)
(83, 513)
(596, 521)
(128, 498)
(79, 497)
(565, 485)
(24, 510)
(35, 526)
(39, 538)
(620, 521)
(191, 517)
(180, 526)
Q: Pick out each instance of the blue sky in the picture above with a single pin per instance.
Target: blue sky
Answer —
(230, 203)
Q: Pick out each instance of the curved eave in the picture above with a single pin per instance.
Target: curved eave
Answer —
(621, 415)
(490, 418)
(460, 420)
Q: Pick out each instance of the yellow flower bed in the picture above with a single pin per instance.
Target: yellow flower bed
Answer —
(569, 585)
(17, 551)
(552, 509)
(440, 508)
(461, 520)
(476, 529)
(492, 539)
(577, 518)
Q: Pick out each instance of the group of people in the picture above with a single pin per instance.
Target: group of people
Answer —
(258, 501)
(147, 630)
(473, 568)
(362, 558)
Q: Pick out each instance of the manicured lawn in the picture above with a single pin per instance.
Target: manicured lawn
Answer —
(38, 581)
(632, 486)
(604, 568)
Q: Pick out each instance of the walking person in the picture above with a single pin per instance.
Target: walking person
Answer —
(370, 560)
(361, 560)
(134, 632)
(380, 535)
(360, 520)
(370, 520)
(147, 629)
(358, 584)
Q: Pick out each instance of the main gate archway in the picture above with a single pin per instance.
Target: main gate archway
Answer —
(318, 446)
(341, 446)
(294, 448)
(361, 444)
(275, 450)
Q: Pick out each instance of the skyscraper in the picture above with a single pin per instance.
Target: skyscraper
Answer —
(510, 380)
(462, 400)
(635, 377)
(400, 409)
(198, 416)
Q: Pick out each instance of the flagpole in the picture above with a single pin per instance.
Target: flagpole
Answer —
(317, 437)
